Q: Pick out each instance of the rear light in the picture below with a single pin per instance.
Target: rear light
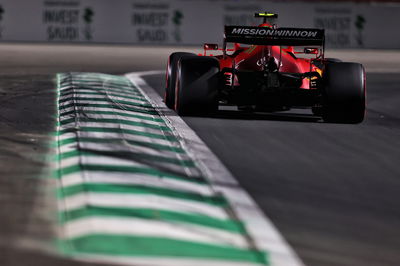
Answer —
(228, 79)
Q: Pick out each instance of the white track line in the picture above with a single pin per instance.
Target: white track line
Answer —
(264, 234)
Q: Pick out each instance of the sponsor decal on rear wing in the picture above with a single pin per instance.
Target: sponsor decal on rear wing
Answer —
(271, 36)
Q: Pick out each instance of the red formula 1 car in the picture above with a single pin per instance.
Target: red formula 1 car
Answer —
(266, 71)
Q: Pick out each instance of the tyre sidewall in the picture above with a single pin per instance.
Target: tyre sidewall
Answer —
(197, 85)
(344, 92)
(172, 65)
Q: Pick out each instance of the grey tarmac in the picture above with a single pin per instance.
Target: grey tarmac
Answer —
(332, 190)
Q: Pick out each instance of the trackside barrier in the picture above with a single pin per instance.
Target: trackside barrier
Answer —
(186, 22)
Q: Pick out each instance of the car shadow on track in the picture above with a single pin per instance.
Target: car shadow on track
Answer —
(246, 115)
(281, 116)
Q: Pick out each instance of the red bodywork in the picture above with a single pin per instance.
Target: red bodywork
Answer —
(253, 57)
(268, 72)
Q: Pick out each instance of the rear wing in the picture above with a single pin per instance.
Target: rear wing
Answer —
(277, 36)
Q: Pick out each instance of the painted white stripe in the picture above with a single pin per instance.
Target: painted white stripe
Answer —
(92, 78)
(114, 116)
(68, 148)
(120, 136)
(67, 135)
(98, 80)
(153, 228)
(99, 89)
(123, 146)
(69, 162)
(78, 82)
(83, 120)
(117, 110)
(166, 167)
(106, 101)
(104, 95)
(148, 261)
(141, 201)
(79, 91)
(264, 234)
(135, 104)
(117, 138)
(109, 98)
(83, 83)
(136, 179)
(116, 125)
(106, 109)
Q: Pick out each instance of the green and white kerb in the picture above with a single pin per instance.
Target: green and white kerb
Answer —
(128, 191)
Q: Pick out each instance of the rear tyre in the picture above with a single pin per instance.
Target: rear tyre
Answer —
(169, 95)
(344, 93)
(197, 81)
(333, 60)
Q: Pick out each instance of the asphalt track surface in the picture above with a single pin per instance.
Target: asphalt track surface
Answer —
(332, 190)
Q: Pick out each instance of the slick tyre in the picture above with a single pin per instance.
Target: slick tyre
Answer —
(344, 93)
(197, 81)
(169, 95)
(332, 60)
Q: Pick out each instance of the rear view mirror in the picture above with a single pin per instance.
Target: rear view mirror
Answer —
(210, 46)
(310, 50)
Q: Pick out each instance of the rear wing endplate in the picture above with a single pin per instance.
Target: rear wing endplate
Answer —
(271, 36)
